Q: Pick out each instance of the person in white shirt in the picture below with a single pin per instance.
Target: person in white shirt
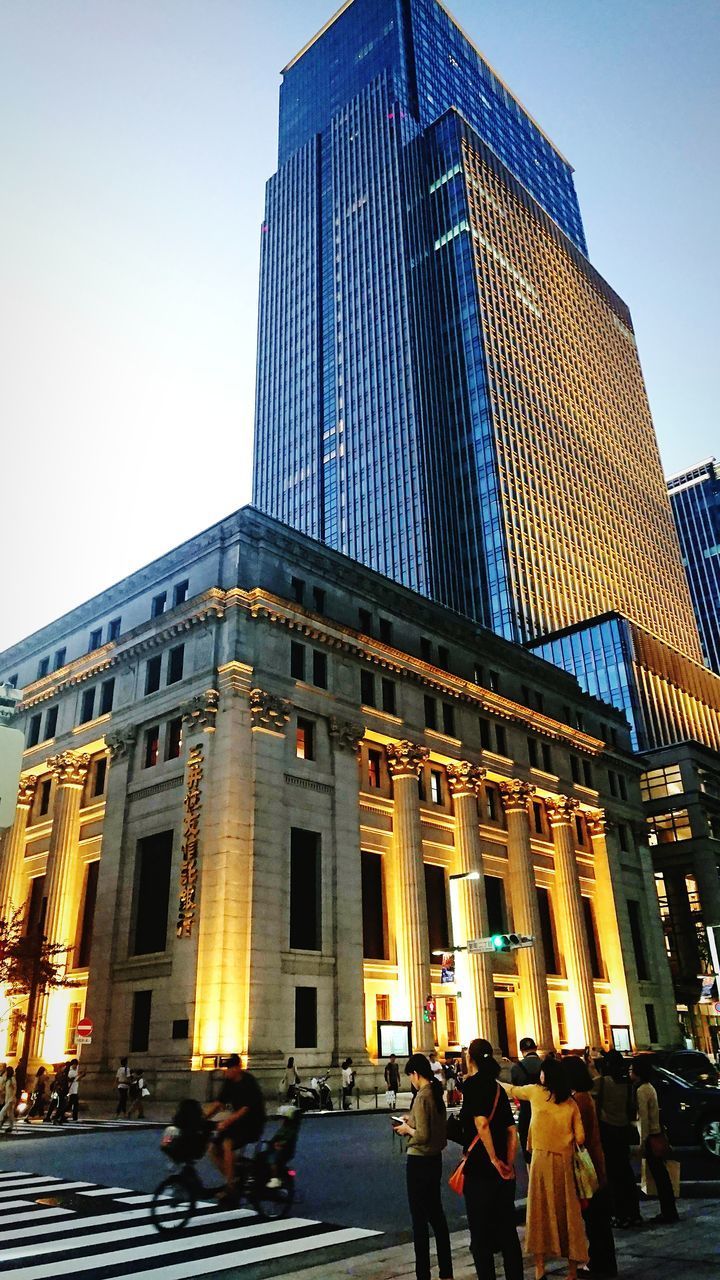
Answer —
(122, 1084)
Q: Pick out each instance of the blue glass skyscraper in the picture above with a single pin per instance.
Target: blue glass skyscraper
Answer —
(695, 500)
(447, 390)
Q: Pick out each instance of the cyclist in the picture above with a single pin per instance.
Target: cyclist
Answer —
(240, 1094)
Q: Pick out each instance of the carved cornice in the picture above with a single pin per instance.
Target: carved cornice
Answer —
(516, 795)
(199, 713)
(68, 769)
(268, 711)
(121, 742)
(26, 791)
(464, 778)
(235, 678)
(598, 823)
(346, 734)
(405, 759)
(561, 810)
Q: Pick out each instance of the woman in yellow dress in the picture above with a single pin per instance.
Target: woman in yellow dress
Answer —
(554, 1227)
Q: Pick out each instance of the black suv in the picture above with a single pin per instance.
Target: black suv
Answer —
(689, 1064)
(689, 1112)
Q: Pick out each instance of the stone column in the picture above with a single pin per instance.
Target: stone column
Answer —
(346, 737)
(612, 917)
(561, 812)
(70, 772)
(477, 1014)
(526, 915)
(405, 760)
(13, 849)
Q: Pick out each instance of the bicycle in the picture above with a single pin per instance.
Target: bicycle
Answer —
(176, 1198)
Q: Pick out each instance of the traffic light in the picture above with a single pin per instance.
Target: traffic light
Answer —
(511, 941)
(429, 1010)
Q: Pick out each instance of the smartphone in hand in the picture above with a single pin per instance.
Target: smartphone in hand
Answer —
(396, 1120)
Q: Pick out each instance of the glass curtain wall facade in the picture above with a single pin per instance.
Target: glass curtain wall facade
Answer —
(695, 500)
(447, 390)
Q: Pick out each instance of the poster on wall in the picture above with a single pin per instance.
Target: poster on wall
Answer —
(394, 1037)
(447, 969)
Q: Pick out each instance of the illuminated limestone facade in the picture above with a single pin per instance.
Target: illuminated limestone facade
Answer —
(264, 788)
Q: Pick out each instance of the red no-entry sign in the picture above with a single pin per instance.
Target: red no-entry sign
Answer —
(85, 1027)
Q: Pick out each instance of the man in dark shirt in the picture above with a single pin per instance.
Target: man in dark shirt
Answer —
(526, 1071)
(392, 1076)
(240, 1095)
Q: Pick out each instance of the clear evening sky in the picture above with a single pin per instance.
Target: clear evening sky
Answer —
(135, 140)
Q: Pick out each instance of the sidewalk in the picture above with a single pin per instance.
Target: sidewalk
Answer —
(689, 1251)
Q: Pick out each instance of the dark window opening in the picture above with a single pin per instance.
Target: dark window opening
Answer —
(87, 706)
(152, 745)
(430, 713)
(51, 719)
(33, 734)
(176, 664)
(374, 766)
(494, 681)
(367, 688)
(305, 898)
(652, 1023)
(99, 776)
(491, 803)
(547, 757)
(448, 712)
(575, 768)
(181, 1029)
(45, 789)
(59, 659)
(319, 669)
(500, 740)
(152, 674)
(365, 621)
(180, 592)
(436, 787)
(87, 918)
(297, 660)
(95, 639)
(388, 696)
(373, 917)
(298, 589)
(158, 604)
(306, 1017)
(173, 739)
(425, 649)
(532, 752)
(140, 1025)
(579, 829)
(538, 817)
(623, 787)
(43, 668)
(484, 733)
(154, 859)
(592, 937)
(547, 932)
(36, 905)
(443, 657)
(305, 739)
(319, 599)
(636, 932)
(587, 773)
(107, 695)
(437, 912)
(386, 630)
(114, 629)
(495, 898)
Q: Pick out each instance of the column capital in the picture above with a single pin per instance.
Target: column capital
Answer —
(121, 742)
(199, 713)
(598, 823)
(269, 711)
(464, 778)
(561, 810)
(68, 769)
(516, 795)
(405, 759)
(26, 791)
(346, 734)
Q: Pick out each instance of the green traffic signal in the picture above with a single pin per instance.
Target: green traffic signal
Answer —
(500, 942)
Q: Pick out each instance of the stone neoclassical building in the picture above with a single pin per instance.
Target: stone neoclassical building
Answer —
(256, 777)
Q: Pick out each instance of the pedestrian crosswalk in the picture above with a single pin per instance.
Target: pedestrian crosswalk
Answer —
(36, 1129)
(53, 1227)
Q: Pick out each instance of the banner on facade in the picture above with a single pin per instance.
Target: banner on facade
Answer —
(12, 745)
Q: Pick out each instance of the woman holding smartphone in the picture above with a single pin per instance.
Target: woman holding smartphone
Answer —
(426, 1131)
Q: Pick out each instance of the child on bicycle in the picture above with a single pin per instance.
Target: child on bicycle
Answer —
(281, 1146)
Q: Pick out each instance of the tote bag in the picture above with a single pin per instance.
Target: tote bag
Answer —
(456, 1181)
(586, 1179)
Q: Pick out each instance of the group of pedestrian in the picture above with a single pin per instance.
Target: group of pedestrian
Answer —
(565, 1117)
(131, 1091)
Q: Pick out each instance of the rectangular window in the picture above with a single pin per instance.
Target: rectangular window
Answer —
(636, 932)
(537, 810)
(107, 695)
(36, 905)
(425, 649)
(386, 630)
(495, 898)
(373, 913)
(579, 830)
(539, 700)
(574, 768)
(596, 967)
(73, 1017)
(43, 668)
(152, 747)
(443, 657)
(430, 713)
(624, 837)
(320, 669)
(436, 894)
(500, 740)
(623, 786)
(494, 681)
(298, 589)
(176, 663)
(547, 931)
(388, 696)
(547, 757)
(181, 1029)
(533, 752)
(318, 599)
(87, 706)
(668, 828)
(587, 773)
(374, 764)
(365, 621)
(479, 675)
(561, 1023)
(451, 1020)
(297, 660)
(484, 726)
(436, 787)
(13, 680)
(525, 695)
(652, 1023)
(491, 803)
(305, 739)
(661, 782)
(152, 674)
(140, 1025)
(367, 688)
(306, 1017)
(99, 776)
(173, 739)
(87, 915)
(158, 605)
(382, 1007)
(305, 898)
(95, 639)
(59, 660)
(51, 718)
(154, 860)
(44, 803)
(114, 629)
(448, 712)
(180, 592)
(612, 782)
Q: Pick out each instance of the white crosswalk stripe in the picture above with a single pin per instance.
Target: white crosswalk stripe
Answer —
(35, 1129)
(51, 1241)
